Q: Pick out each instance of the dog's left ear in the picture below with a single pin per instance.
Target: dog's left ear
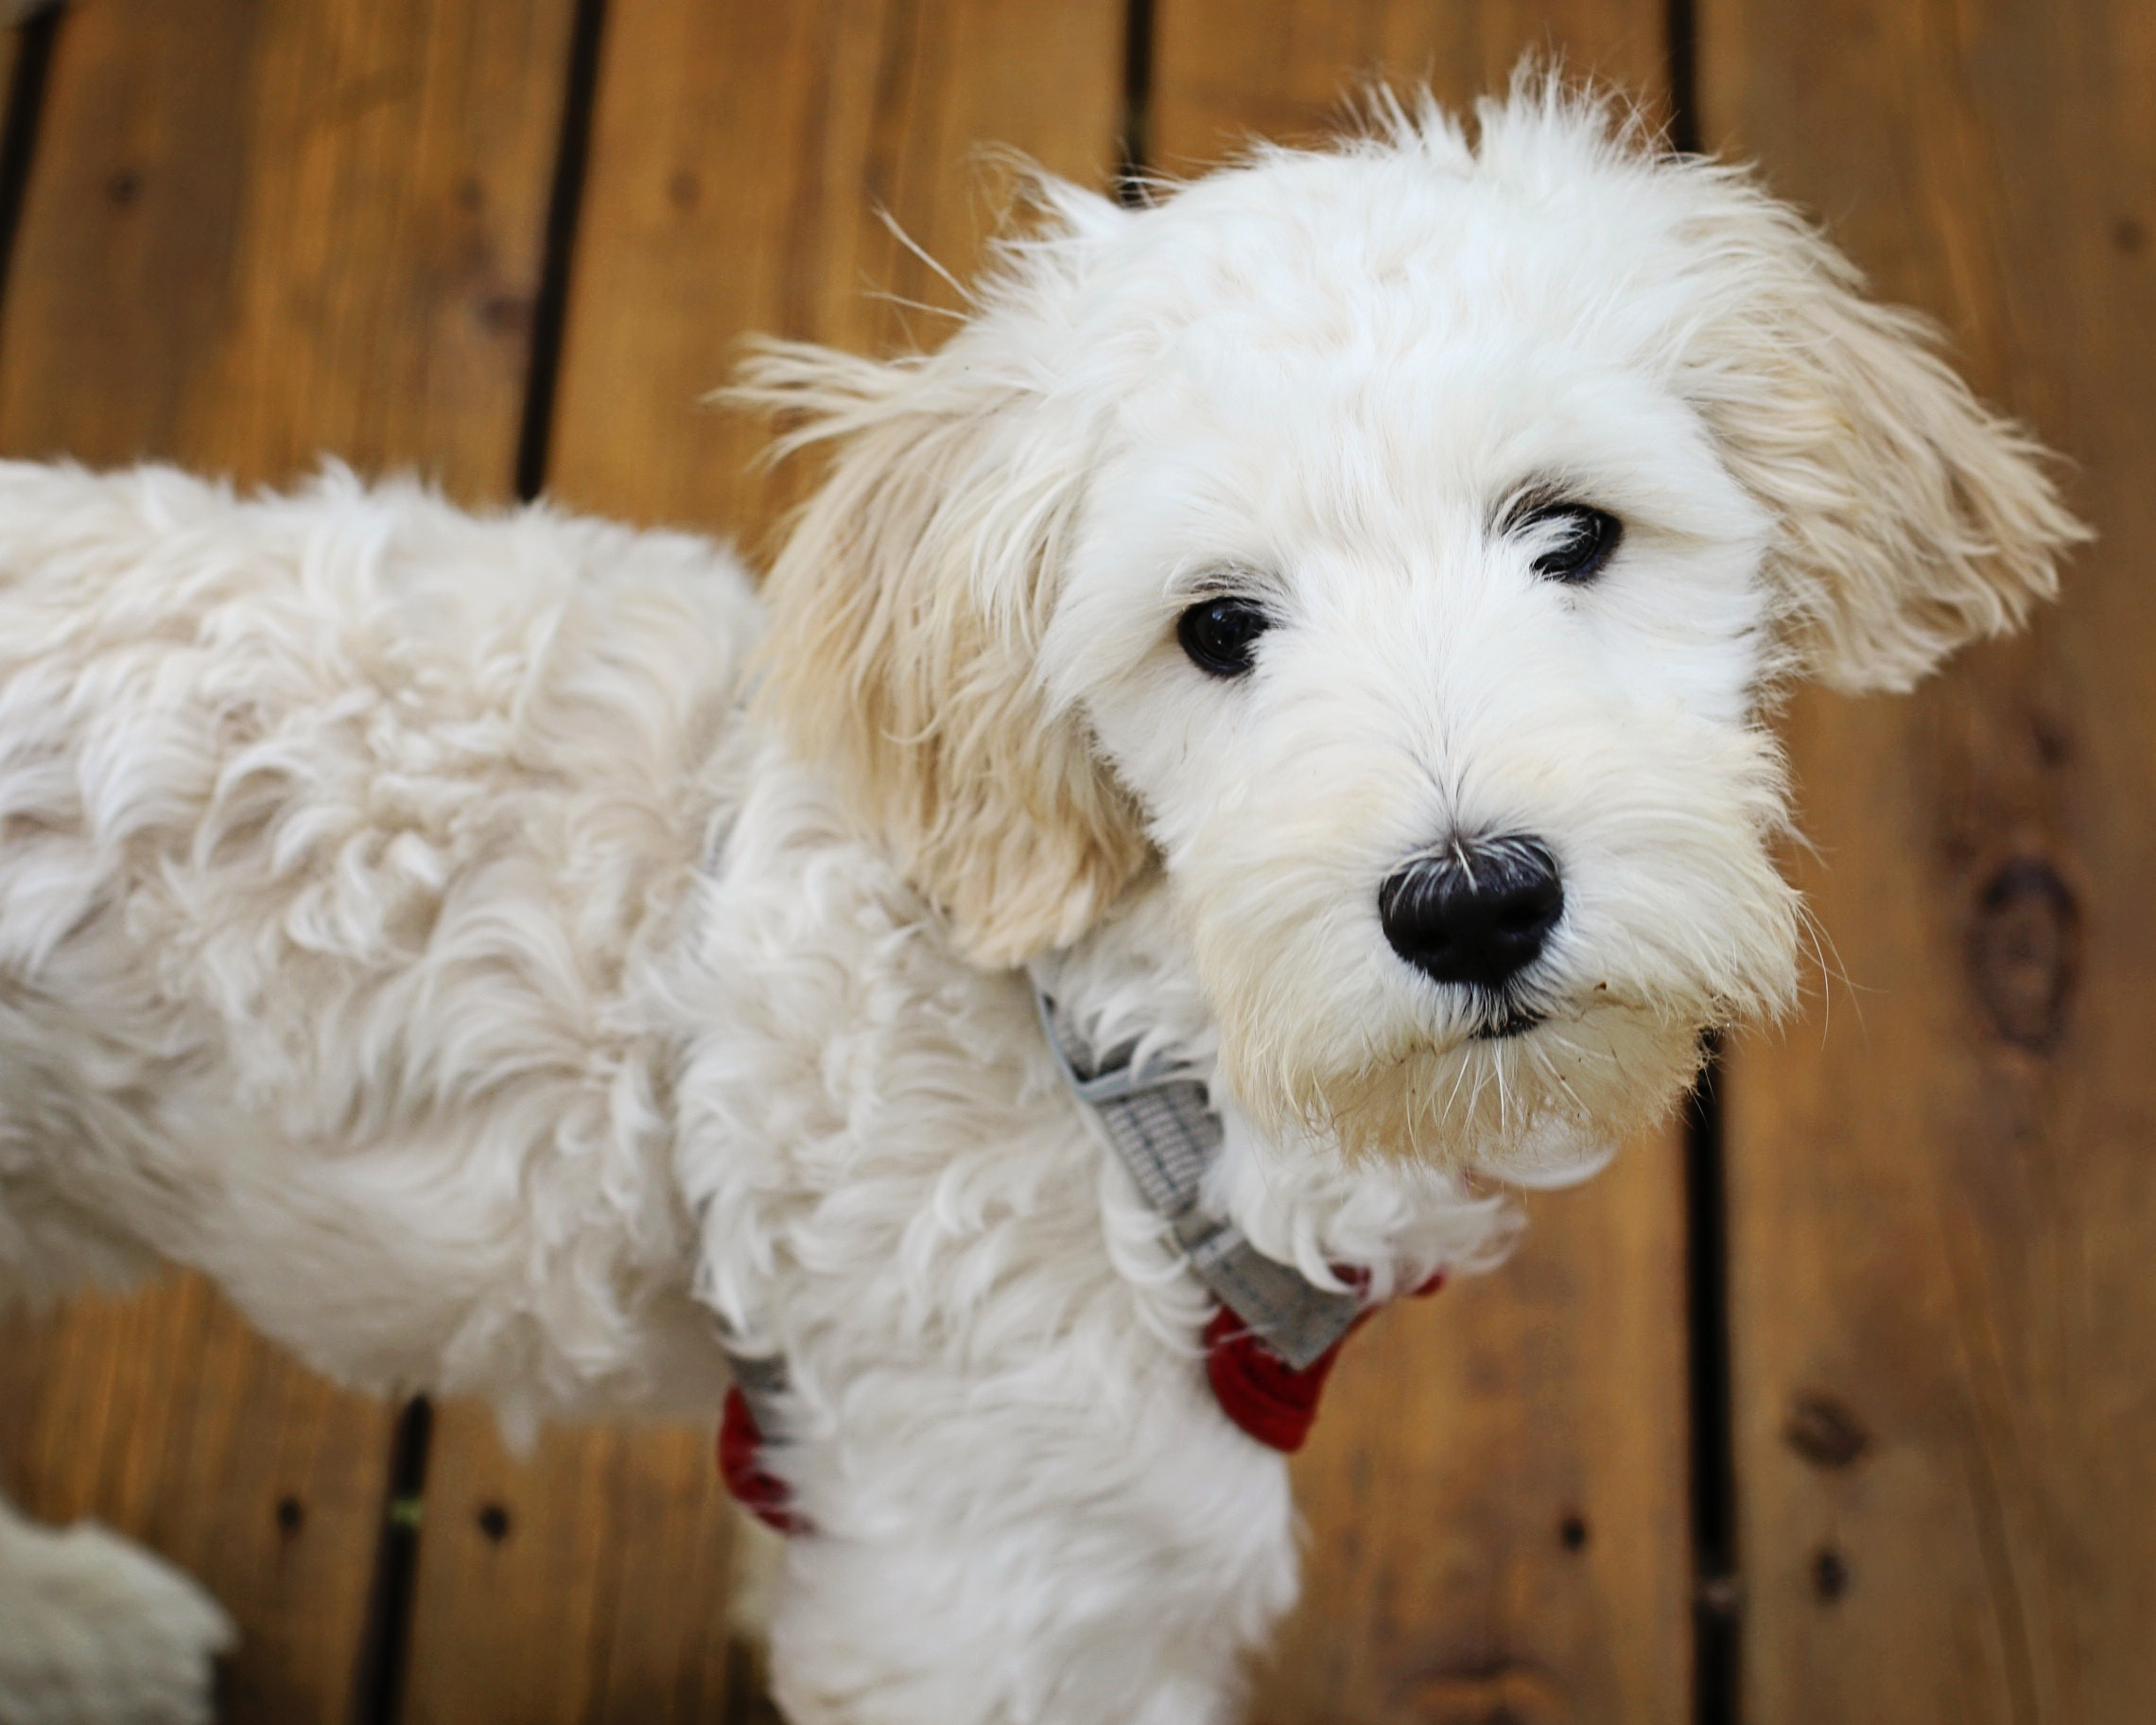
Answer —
(1909, 517)
(908, 606)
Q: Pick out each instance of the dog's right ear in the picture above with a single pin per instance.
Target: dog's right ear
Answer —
(908, 606)
(1909, 517)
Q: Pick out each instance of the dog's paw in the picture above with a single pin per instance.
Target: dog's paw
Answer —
(96, 1631)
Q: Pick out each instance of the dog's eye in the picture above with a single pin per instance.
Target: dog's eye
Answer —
(1221, 635)
(1578, 541)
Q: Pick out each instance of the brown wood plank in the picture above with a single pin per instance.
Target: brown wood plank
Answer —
(738, 156)
(587, 1583)
(1944, 1327)
(253, 232)
(257, 234)
(1497, 1492)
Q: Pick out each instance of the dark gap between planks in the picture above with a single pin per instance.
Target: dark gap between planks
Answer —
(549, 314)
(1685, 132)
(19, 128)
(378, 1684)
(1719, 1596)
(1718, 1647)
(1134, 143)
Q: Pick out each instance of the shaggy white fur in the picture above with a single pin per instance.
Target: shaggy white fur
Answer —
(435, 929)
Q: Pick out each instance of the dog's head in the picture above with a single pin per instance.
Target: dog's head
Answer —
(1394, 546)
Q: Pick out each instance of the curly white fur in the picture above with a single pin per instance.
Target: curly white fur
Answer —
(441, 932)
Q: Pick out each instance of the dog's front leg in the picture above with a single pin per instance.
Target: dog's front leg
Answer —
(1101, 1565)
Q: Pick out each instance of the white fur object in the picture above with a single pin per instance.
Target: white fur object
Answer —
(92, 1627)
(494, 949)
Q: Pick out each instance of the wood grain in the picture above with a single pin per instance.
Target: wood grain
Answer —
(1497, 1492)
(740, 155)
(252, 233)
(1944, 1324)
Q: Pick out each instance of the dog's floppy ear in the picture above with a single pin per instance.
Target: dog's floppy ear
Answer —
(908, 605)
(1909, 517)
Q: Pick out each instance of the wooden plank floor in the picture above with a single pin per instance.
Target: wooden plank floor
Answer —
(509, 241)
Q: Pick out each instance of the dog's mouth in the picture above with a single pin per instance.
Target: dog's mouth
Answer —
(1506, 1021)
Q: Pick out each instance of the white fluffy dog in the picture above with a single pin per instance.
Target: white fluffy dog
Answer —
(1313, 630)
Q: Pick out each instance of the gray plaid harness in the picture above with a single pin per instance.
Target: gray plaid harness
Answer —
(1156, 1119)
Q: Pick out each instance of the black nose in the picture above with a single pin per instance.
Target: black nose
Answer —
(1477, 913)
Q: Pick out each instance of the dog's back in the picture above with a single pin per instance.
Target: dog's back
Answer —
(337, 833)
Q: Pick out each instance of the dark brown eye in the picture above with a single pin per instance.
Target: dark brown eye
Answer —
(1576, 540)
(1221, 635)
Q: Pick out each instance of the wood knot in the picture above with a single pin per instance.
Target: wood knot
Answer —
(1825, 1432)
(2024, 947)
(506, 314)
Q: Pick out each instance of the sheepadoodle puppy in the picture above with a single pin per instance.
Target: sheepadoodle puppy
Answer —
(1256, 744)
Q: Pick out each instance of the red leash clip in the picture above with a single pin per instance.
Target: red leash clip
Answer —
(1262, 1392)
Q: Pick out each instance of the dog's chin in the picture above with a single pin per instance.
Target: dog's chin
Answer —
(1530, 1098)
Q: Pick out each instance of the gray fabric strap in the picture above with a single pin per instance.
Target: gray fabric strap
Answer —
(761, 1379)
(1158, 1119)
